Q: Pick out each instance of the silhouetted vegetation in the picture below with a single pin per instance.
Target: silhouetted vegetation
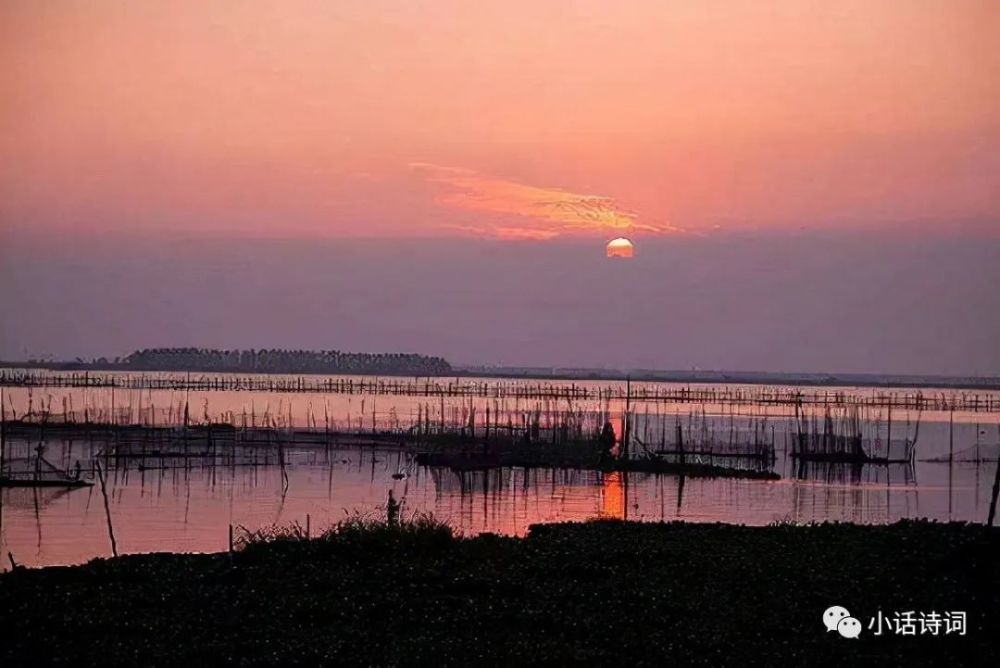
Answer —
(282, 361)
(604, 592)
(285, 361)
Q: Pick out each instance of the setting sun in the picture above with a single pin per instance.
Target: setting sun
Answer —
(620, 247)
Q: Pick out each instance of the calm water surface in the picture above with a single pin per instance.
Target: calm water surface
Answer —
(190, 508)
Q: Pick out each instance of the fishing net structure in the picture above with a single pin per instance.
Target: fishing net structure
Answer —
(35, 468)
(896, 450)
(983, 452)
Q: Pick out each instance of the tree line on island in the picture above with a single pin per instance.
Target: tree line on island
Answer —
(264, 361)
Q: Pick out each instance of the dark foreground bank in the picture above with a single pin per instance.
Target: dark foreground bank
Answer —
(600, 592)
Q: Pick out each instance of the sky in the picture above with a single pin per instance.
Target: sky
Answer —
(810, 186)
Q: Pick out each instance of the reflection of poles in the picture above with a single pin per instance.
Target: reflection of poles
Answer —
(626, 426)
(951, 436)
(680, 444)
(978, 460)
(888, 433)
(951, 458)
(797, 445)
(625, 495)
(916, 435)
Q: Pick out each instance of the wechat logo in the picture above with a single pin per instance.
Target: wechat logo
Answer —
(837, 618)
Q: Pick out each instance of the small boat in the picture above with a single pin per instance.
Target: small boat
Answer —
(44, 482)
(39, 472)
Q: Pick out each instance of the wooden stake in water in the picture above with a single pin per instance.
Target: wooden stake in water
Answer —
(107, 509)
(996, 482)
(3, 432)
(996, 491)
(626, 426)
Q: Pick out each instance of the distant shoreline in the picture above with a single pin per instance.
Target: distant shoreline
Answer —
(572, 374)
(753, 378)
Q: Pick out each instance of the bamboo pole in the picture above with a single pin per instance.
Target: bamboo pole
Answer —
(951, 436)
(3, 432)
(107, 509)
(996, 491)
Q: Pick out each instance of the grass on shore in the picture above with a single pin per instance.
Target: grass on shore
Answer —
(604, 592)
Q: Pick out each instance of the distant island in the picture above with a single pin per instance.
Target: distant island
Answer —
(209, 360)
(335, 362)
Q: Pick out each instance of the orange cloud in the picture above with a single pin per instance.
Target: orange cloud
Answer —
(506, 233)
(541, 213)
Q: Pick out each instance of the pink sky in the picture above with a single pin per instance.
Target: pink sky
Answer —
(537, 120)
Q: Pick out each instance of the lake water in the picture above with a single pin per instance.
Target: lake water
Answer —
(189, 508)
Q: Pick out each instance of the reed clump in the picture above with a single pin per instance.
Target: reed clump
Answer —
(361, 531)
